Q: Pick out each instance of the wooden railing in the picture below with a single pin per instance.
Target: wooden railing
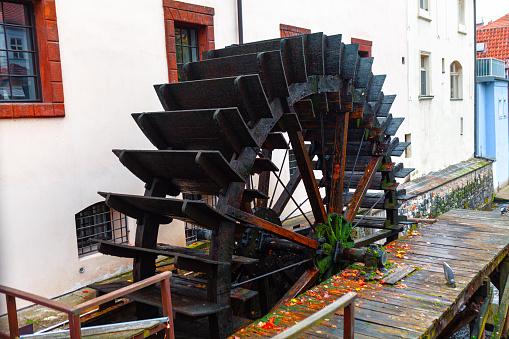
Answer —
(346, 302)
(74, 312)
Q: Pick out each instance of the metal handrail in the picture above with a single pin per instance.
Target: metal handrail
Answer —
(73, 312)
(346, 302)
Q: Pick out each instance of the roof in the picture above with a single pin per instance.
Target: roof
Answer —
(496, 34)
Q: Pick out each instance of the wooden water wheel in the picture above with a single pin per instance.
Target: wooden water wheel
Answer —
(219, 127)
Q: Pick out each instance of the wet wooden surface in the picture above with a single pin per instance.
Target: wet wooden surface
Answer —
(472, 242)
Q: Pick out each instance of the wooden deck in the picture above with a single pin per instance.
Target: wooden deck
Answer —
(473, 243)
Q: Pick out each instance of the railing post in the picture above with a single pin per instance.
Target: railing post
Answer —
(349, 316)
(75, 325)
(12, 316)
(167, 308)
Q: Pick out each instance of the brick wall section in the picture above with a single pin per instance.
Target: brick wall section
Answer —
(364, 46)
(287, 30)
(471, 187)
(52, 104)
(201, 17)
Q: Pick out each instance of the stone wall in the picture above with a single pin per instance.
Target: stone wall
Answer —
(471, 187)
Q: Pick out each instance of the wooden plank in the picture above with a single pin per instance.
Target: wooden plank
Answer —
(360, 191)
(308, 177)
(338, 164)
(398, 274)
(359, 242)
(271, 228)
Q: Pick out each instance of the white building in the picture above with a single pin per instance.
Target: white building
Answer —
(100, 64)
(440, 120)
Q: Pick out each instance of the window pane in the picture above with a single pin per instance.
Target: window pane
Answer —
(186, 55)
(15, 14)
(179, 55)
(185, 39)
(194, 38)
(178, 40)
(2, 38)
(5, 90)
(3, 63)
(452, 87)
(194, 54)
(21, 63)
(423, 62)
(19, 38)
(423, 82)
(23, 88)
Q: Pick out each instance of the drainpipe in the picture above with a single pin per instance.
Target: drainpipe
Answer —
(475, 84)
(239, 21)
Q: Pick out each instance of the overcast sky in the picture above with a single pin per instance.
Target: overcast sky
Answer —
(491, 9)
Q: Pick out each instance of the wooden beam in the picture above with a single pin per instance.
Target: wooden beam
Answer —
(308, 177)
(360, 191)
(338, 163)
(271, 228)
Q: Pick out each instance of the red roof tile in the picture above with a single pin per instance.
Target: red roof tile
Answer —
(496, 35)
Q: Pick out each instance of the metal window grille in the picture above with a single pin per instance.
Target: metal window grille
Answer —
(186, 45)
(292, 162)
(98, 221)
(191, 229)
(19, 65)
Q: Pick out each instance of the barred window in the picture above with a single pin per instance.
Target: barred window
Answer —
(100, 222)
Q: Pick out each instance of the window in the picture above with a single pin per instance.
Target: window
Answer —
(30, 72)
(364, 47)
(191, 229)
(461, 17)
(461, 125)
(19, 74)
(443, 65)
(186, 45)
(408, 150)
(461, 12)
(456, 86)
(425, 89)
(98, 221)
(288, 30)
(292, 162)
(184, 19)
(424, 10)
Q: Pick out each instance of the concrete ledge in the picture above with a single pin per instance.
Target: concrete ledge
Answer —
(468, 184)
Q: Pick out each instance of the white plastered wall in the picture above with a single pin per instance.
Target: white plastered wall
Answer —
(435, 123)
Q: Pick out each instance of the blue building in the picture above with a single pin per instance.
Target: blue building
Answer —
(492, 133)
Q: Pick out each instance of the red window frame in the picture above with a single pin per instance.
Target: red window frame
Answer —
(52, 91)
(184, 14)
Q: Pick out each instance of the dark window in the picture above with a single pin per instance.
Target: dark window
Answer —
(186, 44)
(191, 229)
(19, 73)
(98, 221)
(292, 162)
